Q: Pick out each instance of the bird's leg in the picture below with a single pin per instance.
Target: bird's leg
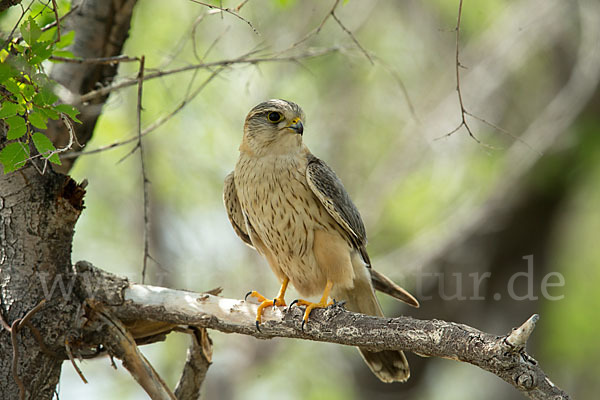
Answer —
(264, 302)
(310, 306)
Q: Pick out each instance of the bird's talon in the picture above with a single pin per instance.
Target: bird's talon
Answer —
(247, 294)
(264, 303)
(303, 322)
(293, 302)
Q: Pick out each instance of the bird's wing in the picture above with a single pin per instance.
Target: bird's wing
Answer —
(385, 285)
(234, 210)
(331, 193)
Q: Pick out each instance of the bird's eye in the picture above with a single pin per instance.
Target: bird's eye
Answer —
(275, 117)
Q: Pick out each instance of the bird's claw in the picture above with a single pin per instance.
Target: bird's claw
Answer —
(309, 307)
(293, 302)
(264, 303)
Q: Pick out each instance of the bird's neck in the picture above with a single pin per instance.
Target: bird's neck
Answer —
(288, 146)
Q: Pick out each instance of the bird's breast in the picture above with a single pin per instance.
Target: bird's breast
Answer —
(277, 200)
(284, 213)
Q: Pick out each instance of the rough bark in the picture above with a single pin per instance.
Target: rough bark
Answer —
(37, 217)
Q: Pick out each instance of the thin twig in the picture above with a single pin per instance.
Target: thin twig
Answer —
(401, 84)
(315, 31)
(46, 27)
(463, 111)
(15, 361)
(70, 355)
(240, 60)
(61, 19)
(99, 60)
(55, 7)
(228, 11)
(14, 331)
(356, 42)
(458, 65)
(23, 12)
(500, 129)
(149, 129)
(212, 45)
(31, 312)
(47, 154)
(239, 6)
(145, 180)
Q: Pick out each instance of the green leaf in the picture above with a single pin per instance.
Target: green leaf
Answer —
(63, 53)
(30, 31)
(8, 109)
(65, 40)
(48, 112)
(7, 71)
(13, 87)
(28, 91)
(17, 47)
(45, 147)
(69, 110)
(17, 127)
(38, 120)
(48, 35)
(44, 97)
(13, 156)
(40, 51)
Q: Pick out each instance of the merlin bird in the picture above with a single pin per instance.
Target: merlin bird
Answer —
(292, 208)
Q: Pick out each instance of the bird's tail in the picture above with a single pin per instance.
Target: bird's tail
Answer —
(388, 365)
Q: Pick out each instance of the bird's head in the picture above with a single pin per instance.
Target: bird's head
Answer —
(273, 127)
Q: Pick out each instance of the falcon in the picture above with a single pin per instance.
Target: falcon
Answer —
(292, 208)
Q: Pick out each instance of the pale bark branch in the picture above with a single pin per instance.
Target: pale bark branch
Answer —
(504, 356)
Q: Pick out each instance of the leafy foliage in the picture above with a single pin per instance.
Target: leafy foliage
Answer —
(27, 99)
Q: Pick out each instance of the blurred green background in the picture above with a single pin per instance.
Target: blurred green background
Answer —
(439, 213)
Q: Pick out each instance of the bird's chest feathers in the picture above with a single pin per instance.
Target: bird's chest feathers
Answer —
(276, 198)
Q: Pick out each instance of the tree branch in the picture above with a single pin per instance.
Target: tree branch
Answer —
(504, 356)
(199, 358)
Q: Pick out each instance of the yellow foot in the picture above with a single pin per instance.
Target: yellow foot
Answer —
(264, 302)
(311, 306)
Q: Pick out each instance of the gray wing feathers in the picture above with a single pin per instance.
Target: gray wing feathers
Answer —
(331, 193)
(234, 210)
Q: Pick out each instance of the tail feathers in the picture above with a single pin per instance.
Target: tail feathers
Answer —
(387, 286)
(388, 365)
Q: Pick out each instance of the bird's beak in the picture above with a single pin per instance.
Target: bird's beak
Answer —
(297, 126)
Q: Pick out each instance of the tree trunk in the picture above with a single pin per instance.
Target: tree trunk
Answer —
(38, 214)
(37, 217)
